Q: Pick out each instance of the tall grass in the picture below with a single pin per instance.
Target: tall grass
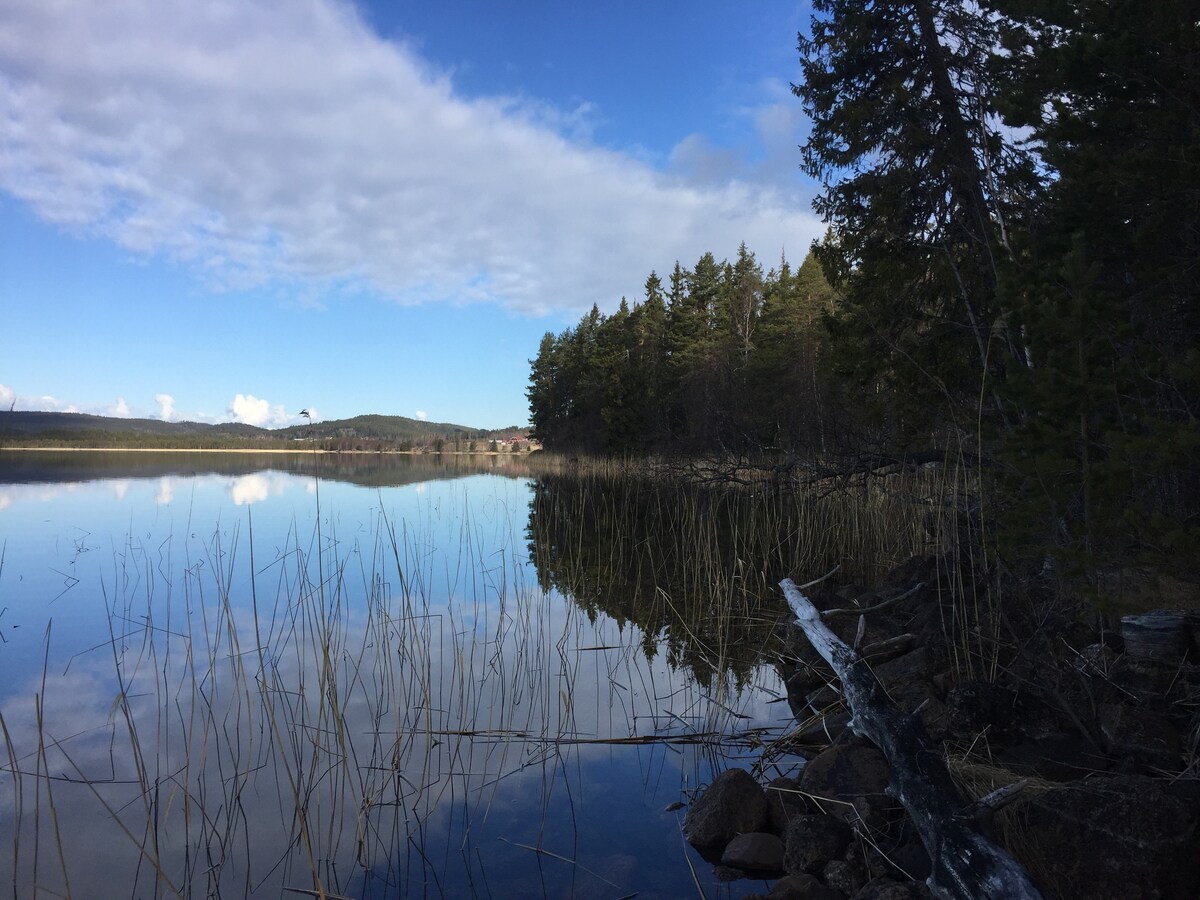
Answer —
(358, 714)
(335, 715)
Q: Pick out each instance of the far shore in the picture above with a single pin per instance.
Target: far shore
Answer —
(306, 451)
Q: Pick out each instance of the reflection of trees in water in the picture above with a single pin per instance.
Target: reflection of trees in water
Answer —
(365, 469)
(698, 567)
(691, 568)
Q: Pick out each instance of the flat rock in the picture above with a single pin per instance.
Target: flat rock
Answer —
(733, 804)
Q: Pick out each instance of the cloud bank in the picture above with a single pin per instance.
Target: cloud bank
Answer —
(285, 143)
(250, 410)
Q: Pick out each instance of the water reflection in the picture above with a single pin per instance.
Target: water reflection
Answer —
(244, 692)
(694, 570)
(364, 469)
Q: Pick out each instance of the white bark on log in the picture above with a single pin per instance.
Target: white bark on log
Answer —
(966, 866)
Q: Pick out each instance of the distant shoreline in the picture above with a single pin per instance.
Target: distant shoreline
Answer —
(307, 452)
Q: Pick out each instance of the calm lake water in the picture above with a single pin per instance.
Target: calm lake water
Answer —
(224, 675)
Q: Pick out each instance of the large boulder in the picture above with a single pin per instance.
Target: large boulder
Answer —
(1119, 838)
(733, 804)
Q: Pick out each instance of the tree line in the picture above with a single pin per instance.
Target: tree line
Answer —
(723, 355)
(1012, 191)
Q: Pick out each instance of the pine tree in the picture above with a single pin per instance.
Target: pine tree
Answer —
(1106, 290)
(921, 188)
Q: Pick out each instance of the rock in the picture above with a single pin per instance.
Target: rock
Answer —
(727, 873)
(807, 677)
(910, 695)
(1187, 791)
(1061, 757)
(934, 718)
(916, 665)
(881, 652)
(1096, 659)
(912, 860)
(1147, 737)
(824, 700)
(845, 876)
(754, 852)
(887, 889)
(873, 813)
(733, 804)
(1109, 838)
(843, 773)
(1161, 636)
(813, 840)
(784, 802)
(978, 706)
(823, 730)
(852, 592)
(803, 887)
(914, 570)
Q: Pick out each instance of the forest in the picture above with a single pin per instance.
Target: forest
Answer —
(1007, 281)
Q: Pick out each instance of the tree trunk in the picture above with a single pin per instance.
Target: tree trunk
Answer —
(966, 866)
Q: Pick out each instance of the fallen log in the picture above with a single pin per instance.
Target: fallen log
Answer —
(966, 865)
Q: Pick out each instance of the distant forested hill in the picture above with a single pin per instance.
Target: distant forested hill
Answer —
(19, 428)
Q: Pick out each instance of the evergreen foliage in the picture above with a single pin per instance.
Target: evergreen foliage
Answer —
(1012, 191)
(699, 367)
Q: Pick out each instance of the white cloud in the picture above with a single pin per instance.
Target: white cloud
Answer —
(166, 406)
(248, 409)
(261, 141)
(120, 409)
(10, 399)
(422, 415)
(247, 489)
(165, 493)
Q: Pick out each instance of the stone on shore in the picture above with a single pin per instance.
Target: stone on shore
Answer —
(733, 804)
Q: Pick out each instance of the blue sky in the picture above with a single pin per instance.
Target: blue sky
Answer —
(232, 210)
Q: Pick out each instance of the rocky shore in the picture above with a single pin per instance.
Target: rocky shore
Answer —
(1087, 726)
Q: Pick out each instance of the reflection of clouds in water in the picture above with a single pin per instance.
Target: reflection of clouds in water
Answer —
(501, 673)
(166, 492)
(34, 493)
(247, 489)
(256, 487)
(120, 488)
(310, 487)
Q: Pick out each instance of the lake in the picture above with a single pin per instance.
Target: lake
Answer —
(381, 676)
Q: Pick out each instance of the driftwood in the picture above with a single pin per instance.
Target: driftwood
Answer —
(966, 866)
